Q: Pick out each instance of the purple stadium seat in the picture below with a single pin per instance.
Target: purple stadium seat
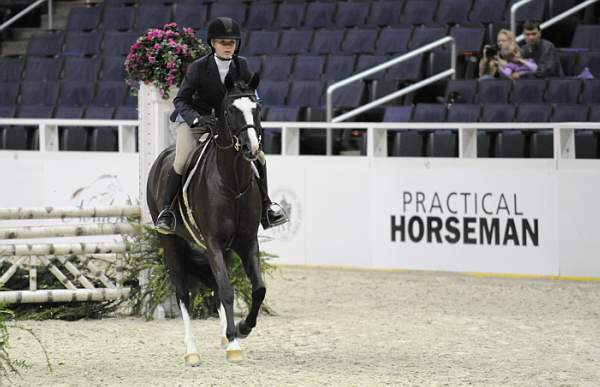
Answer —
(110, 94)
(190, 16)
(530, 11)
(100, 112)
(277, 67)
(498, 113)
(76, 93)
(118, 18)
(348, 96)
(82, 43)
(385, 13)
(152, 16)
(327, 42)
(339, 67)
(428, 112)
(126, 113)
(506, 143)
(118, 43)
(459, 112)
(236, 11)
(592, 62)
(272, 136)
(398, 113)
(48, 44)
(11, 69)
(308, 67)
(352, 14)
(360, 41)
(570, 113)
(393, 40)
(273, 93)
(425, 35)
(438, 142)
(320, 15)
(563, 91)
(487, 11)
(255, 63)
(290, 15)
(406, 143)
(7, 111)
(453, 11)
(8, 93)
(113, 69)
(494, 91)
(260, 15)
(39, 93)
(74, 112)
(410, 70)
(591, 91)
(305, 93)
(468, 39)
(262, 42)
(419, 12)
(366, 62)
(586, 36)
(295, 41)
(43, 69)
(120, 3)
(528, 91)
(464, 90)
(533, 112)
(81, 69)
(84, 18)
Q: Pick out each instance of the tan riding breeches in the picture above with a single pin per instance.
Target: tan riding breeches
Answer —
(184, 146)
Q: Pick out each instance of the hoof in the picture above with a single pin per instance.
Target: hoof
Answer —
(234, 352)
(192, 360)
(224, 342)
(241, 330)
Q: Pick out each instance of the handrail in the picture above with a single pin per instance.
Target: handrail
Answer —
(363, 74)
(13, 19)
(549, 22)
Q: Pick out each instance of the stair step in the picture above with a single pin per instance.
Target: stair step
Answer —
(14, 47)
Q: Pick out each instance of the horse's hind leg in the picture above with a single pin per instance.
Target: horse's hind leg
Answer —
(248, 252)
(175, 247)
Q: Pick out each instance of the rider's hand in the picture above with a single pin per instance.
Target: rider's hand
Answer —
(208, 122)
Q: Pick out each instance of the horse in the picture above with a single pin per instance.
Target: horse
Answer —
(223, 201)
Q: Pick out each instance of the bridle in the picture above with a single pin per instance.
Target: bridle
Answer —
(234, 141)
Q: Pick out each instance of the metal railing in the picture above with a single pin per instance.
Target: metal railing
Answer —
(547, 23)
(363, 74)
(48, 130)
(24, 12)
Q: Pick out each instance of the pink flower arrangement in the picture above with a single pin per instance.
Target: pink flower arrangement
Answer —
(161, 56)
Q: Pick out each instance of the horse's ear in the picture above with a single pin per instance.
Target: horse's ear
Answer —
(254, 80)
(228, 83)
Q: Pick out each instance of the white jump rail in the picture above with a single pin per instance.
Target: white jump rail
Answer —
(48, 130)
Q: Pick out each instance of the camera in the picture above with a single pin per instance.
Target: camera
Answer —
(492, 50)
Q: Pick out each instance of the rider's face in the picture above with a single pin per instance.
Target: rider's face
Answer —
(224, 48)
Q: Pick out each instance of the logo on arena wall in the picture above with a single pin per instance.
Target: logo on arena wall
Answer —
(290, 203)
(105, 191)
(469, 218)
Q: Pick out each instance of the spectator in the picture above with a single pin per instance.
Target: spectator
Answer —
(517, 66)
(495, 57)
(541, 51)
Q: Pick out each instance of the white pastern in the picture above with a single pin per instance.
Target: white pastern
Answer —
(245, 105)
(223, 320)
(190, 342)
(234, 346)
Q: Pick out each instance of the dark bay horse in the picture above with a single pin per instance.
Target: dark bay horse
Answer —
(225, 204)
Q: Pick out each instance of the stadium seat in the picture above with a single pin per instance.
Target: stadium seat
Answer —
(82, 43)
(360, 41)
(190, 16)
(487, 11)
(102, 139)
(405, 143)
(152, 16)
(273, 93)
(459, 112)
(81, 69)
(393, 40)
(352, 14)
(320, 15)
(438, 142)
(36, 93)
(528, 91)
(425, 35)
(494, 91)
(113, 69)
(47, 44)
(453, 11)
(255, 63)
(366, 62)
(308, 67)
(290, 15)
(462, 90)
(118, 43)
(591, 91)
(339, 67)
(349, 96)
(327, 42)
(418, 12)
(260, 15)
(543, 147)
(236, 11)
(11, 69)
(468, 39)
(487, 140)
(533, 10)
(586, 36)
(126, 113)
(295, 42)
(110, 94)
(118, 18)
(72, 112)
(410, 70)
(76, 93)
(43, 69)
(26, 137)
(592, 62)
(262, 42)
(563, 91)
(305, 94)
(277, 67)
(84, 18)
(385, 13)
(8, 93)
(272, 136)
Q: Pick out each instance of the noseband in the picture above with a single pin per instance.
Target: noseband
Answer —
(235, 141)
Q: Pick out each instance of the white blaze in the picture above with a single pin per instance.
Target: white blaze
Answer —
(245, 105)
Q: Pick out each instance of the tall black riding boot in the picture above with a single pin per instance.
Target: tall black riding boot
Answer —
(273, 215)
(166, 222)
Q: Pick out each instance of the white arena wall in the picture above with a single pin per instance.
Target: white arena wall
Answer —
(545, 213)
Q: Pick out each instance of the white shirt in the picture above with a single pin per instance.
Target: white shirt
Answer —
(223, 66)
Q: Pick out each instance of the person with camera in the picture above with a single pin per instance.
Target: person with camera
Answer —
(495, 57)
(541, 51)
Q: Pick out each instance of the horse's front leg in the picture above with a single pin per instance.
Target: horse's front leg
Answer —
(225, 293)
(249, 254)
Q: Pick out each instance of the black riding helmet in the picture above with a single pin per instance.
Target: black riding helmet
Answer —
(224, 28)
